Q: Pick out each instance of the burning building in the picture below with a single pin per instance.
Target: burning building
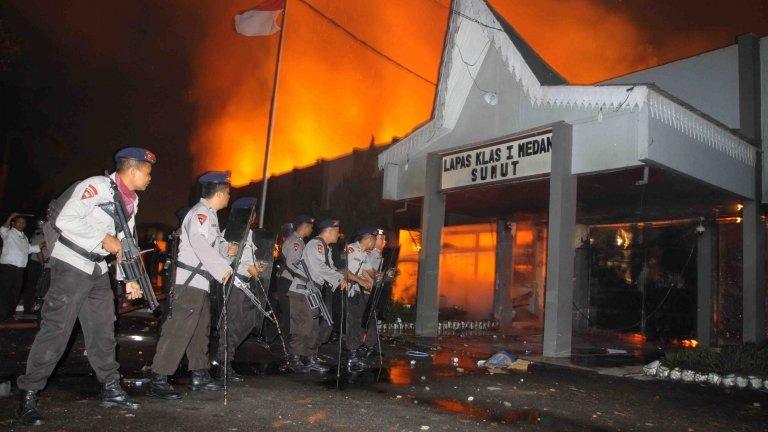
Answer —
(530, 200)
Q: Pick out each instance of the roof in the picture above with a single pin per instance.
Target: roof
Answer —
(474, 27)
(545, 73)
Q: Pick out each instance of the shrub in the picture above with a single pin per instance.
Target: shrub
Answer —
(747, 359)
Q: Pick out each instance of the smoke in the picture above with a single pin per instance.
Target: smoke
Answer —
(335, 94)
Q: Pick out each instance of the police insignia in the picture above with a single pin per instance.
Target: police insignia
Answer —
(296, 247)
(89, 192)
(201, 218)
(320, 248)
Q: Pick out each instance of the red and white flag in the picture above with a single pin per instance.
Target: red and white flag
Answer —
(261, 20)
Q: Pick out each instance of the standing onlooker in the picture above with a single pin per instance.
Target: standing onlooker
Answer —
(13, 260)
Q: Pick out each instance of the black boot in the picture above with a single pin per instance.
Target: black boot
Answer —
(232, 376)
(28, 414)
(296, 364)
(159, 388)
(201, 380)
(113, 395)
(314, 365)
(355, 363)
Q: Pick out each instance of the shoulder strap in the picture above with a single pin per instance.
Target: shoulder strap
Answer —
(326, 249)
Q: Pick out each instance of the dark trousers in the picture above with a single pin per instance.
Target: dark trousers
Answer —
(34, 272)
(241, 319)
(74, 295)
(305, 326)
(185, 331)
(282, 304)
(356, 336)
(11, 279)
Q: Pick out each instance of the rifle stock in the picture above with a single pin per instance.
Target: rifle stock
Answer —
(314, 296)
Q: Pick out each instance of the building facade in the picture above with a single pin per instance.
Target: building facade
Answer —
(584, 196)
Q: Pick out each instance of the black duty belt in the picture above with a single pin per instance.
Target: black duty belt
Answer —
(195, 271)
(90, 256)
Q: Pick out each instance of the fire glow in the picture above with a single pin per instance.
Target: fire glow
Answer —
(336, 94)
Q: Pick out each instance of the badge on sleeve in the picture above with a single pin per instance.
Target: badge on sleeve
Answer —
(320, 248)
(201, 218)
(296, 247)
(350, 249)
(89, 192)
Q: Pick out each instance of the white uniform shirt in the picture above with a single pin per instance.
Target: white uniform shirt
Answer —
(314, 255)
(83, 222)
(357, 259)
(16, 247)
(292, 248)
(374, 260)
(202, 243)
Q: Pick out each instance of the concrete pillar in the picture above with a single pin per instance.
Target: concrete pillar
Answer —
(432, 220)
(706, 283)
(558, 311)
(753, 229)
(502, 307)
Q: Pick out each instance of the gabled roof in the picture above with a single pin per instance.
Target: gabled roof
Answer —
(540, 68)
(474, 29)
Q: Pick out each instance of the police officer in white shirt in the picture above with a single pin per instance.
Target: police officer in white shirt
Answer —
(80, 286)
(13, 261)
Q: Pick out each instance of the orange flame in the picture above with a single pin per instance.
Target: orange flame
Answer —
(690, 343)
(336, 94)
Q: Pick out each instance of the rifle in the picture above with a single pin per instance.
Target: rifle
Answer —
(235, 266)
(175, 239)
(314, 296)
(244, 286)
(378, 288)
(130, 259)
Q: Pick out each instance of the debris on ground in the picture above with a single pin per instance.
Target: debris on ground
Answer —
(502, 362)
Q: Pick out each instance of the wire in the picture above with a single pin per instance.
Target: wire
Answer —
(467, 17)
(629, 93)
(468, 65)
(366, 44)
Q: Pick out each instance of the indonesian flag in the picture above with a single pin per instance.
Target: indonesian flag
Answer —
(261, 20)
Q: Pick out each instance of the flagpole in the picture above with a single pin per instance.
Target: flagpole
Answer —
(272, 113)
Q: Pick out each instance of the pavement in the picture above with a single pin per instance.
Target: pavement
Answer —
(404, 393)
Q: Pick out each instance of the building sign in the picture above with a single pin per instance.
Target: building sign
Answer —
(521, 158)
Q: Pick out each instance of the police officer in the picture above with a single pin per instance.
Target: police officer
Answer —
(204, 257)
(376, 271)
(291, 251)
(241, 312)
(80, 285)
(305, 322)
(358, 264)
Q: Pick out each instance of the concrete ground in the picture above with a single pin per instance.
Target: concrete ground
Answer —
(406, 394)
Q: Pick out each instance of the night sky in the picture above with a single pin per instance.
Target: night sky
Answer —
(81, 79)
